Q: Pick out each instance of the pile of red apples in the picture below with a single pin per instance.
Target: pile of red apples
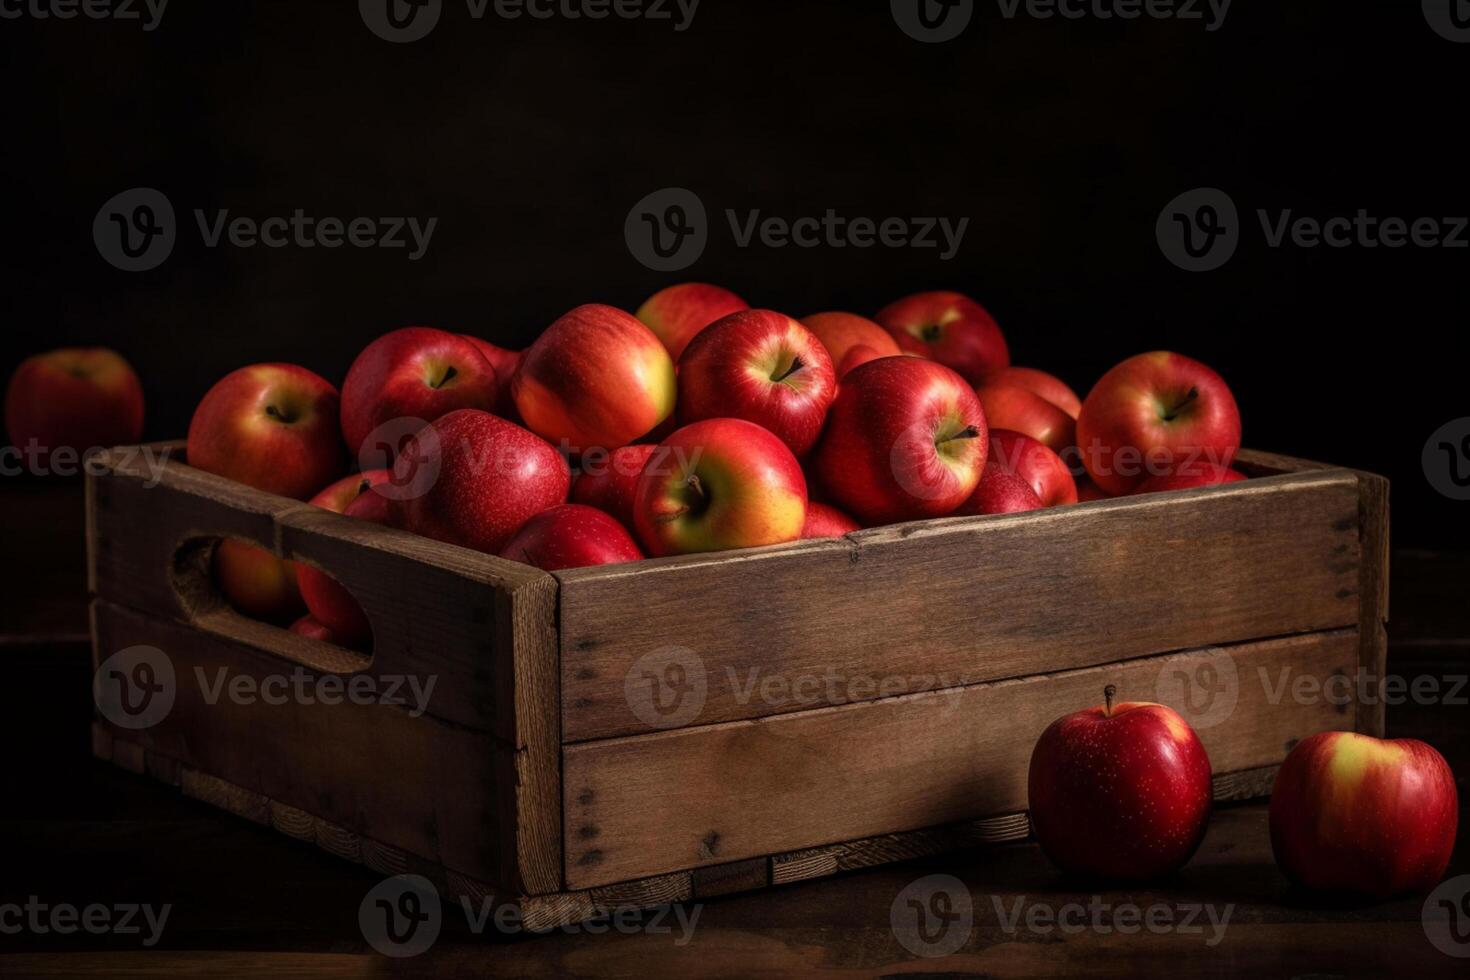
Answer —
(696, 425)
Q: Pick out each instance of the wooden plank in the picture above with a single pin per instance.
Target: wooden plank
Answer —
(945, 603)
(1373, 575)
(1254, 462)
(727, 879)
(732, 791)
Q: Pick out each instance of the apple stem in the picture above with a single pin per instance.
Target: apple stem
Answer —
(1174, 412)
(969, 432)
(1108, 693)
(450, 373)
(796, 365)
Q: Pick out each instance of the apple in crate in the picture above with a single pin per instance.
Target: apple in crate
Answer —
(1040, 467)
(906, 439)
(1364, 816)
(505, 362)
(856, 356)
(763, 367)
(841, 333)
(255, 582)
(609, 481)
(950, 328)
(727, 484)
(571, 536)
(1155, 413)
(271, 426)
(596, 379)
(328, 601)
(677, 314)
(1201, 475)
(413, 373)
(1009, 406)
(1120, 791)
(826, 521)
(1048, 386)
(472, 479)
(80, 397)
(1000, 492)
(309, 627)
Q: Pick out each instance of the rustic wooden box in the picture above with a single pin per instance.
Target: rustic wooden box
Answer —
(546, 771)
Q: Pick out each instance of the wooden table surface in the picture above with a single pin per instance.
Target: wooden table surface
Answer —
(247, 901)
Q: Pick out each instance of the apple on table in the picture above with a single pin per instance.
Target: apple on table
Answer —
(78, 398)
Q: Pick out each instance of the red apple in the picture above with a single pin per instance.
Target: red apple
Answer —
(271, 426)
(472, 479)
(571, 536)
(906, 439)
(763, 367)
(1088, 491)
(1204, 475)
(826, 521)
(309, 627)
(1000, 492)
(1021, 410)
(677, 314)
(609, 481)
(1048, 386)
(1361, 815)
(856, 356)
(505, 363)
(80, 398)
(596, 379)
(1039, 466)
(950, 328)
(841, 332)
(1120, 791)
(255, 582)
(413, 373)
(328, 600)
(727, 484)
(1156, 413)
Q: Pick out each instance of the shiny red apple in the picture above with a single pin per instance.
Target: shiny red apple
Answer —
(596, 379)
(1120, 791)
(270, 426)
(826, 521)
(678, 313)
(1203, 475)
(1156, 413)
(326, 599)
(505, 362)
(472, 479)
(857, 355)
(1040, 467)
(77, 398)
(571, 536)
(727, 484)
(609, 481)
(1352, 814)
(1000, 492)
(1048, 386)
(906, 439)
(950, 328)
(1009, 406)
(840, 333)
(763, 367)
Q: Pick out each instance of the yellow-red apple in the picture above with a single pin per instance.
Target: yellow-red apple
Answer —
(678, 313)
(950, 328)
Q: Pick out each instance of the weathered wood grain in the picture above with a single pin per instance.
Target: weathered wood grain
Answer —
(1373, 574)
(943, 603)
(727, 792)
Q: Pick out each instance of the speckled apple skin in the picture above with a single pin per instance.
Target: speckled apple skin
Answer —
(729, 371)
(596, 378)
(877, 458)
(233, 433)
(611, 482)
(969, 341)
(476, 480)
(678, 313)
(1125, 797)
(393, 378)
(571, 536)
(1042, 469)
(755, 490)
(327, 600)
(826, 521)
(1364, 816)
(1000, 492)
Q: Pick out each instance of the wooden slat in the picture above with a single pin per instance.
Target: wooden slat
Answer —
(1373, 574)
(727, 792)
(944, 603)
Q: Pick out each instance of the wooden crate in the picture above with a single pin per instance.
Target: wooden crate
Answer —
(544, 773)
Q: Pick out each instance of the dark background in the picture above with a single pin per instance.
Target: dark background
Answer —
(530, 141)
